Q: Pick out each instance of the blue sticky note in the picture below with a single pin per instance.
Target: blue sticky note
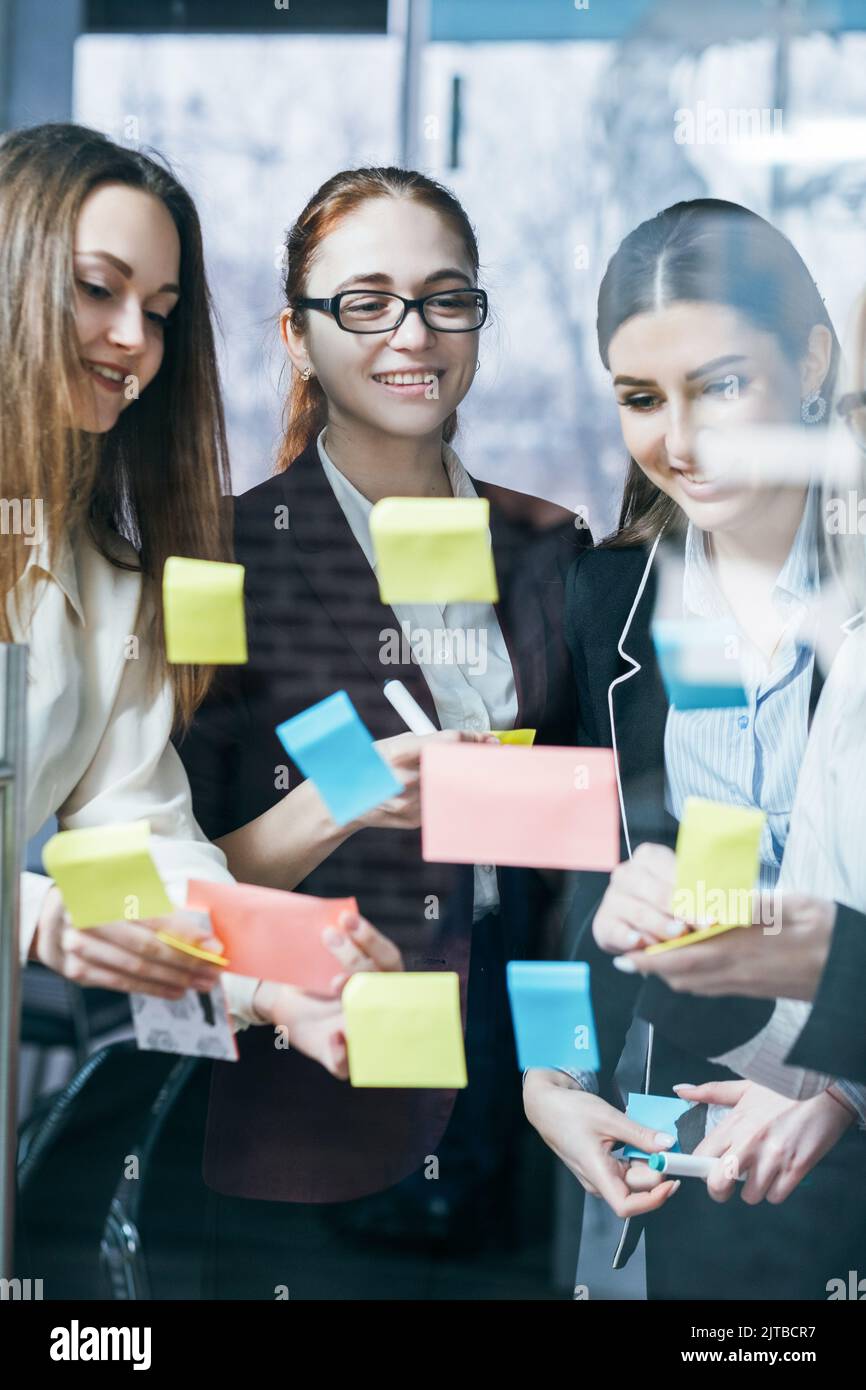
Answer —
(552, 1015)
(696, 665)
(659, 1113)
(333, 748)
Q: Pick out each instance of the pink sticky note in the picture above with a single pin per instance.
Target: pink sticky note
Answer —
(272, 935)
(545, 808)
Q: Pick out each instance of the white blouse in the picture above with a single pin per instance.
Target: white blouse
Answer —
(99, 720)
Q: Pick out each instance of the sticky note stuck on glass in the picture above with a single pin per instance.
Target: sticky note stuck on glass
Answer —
(106, 874)
(552, 1014)
(699, 663)
(203, 601)
(523, 738)
(405, 1030)
(433, 550)
(269, 934)
(545, 808)
(335, 750)
(656, 1112)
(718, 857)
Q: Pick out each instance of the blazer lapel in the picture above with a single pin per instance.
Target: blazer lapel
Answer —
(337, 570)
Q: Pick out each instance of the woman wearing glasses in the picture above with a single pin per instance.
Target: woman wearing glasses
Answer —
(382, 328)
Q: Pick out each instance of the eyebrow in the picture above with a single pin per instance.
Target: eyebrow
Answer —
(690, 376)
(379, 278)
(126, 270)
(713, 365)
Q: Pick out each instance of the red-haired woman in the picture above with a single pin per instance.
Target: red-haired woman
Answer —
(381, 324)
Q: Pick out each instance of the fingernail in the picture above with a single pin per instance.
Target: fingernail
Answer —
(675, 928)
(338, 982)
(687, 1085)
(213, 945)
(332, 937)
(349, 920)
(676, 1185)
(632, 938)
(625, 964)
(664, 1141)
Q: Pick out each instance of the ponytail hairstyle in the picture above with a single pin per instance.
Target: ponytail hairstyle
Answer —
(714, 252)
(306, 406)
(157, 478)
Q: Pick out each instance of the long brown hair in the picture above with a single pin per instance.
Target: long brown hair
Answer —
(716, 252)
(306, 407)
(158, 476)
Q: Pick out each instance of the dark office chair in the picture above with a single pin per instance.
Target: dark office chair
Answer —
(152, 1241)
(71, 1150)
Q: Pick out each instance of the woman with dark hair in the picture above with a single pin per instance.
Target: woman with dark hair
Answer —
(111, 434)
(708, 319)
(382, 320)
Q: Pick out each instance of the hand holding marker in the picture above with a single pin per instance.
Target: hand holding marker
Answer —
(672, 1165)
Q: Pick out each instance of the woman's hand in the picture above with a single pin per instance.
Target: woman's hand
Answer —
(636, 910)
(782, 956)
(582, 1129)
(770, 1139)
(316, 1026)
(403, 754)
(125, 956)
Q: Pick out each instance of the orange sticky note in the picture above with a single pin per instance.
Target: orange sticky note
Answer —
(272, 935)
(546, 808)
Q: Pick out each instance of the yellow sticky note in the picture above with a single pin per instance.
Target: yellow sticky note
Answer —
(405, 1030)
(525, 737)
(433, 550)
(688, 939)
(106, 874)
(203, 602)
(190, 950)
(718, 849)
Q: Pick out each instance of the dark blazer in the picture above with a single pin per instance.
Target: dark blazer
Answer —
(834, 1038)
(609, 606)
(622, 703)
(279, 1126)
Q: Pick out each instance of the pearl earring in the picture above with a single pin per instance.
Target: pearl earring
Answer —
(306, 373)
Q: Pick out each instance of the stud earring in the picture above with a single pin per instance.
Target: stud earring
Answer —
(477, 363)
(306, 373)
(807, 414)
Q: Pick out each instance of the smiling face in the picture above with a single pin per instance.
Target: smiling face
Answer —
(694, 366)
(408, 381)
(127, 272)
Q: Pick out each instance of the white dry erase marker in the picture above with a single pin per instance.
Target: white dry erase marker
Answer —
(684, 1165)
(409, 710)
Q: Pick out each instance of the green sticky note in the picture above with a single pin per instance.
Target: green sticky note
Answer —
(405, 1030)
(433, 550)
(106, 874)
(718, 857)
(203, 601)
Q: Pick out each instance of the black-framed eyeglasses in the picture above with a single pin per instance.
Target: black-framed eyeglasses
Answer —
(374, 311)
(852, 409)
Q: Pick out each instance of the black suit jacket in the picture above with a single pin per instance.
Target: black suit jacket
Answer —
(604, 613)
(279, 1126)
(834, 1038)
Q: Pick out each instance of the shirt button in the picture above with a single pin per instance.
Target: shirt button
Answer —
(487, 868)
(743, 721)
(473, 722)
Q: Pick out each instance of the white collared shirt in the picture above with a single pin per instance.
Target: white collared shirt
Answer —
(99, 722)
(473, 686)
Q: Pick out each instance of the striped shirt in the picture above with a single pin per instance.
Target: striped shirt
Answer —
(751, 755)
